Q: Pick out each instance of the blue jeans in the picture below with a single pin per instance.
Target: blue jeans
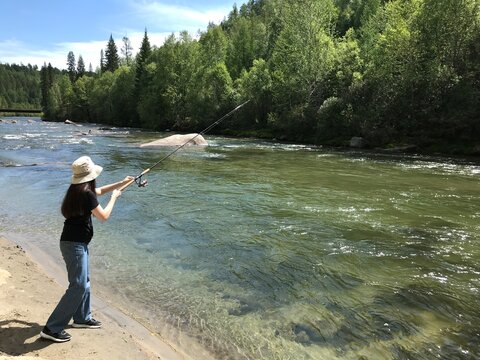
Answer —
(76, 300)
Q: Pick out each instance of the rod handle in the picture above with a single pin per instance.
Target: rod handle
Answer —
(127, 185)
(133, 180)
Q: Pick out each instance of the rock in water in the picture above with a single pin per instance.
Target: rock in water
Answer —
(71, 123)
(177, 140)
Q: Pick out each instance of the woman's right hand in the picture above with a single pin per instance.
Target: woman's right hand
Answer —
(116, 193)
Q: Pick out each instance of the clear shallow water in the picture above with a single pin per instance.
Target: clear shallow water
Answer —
(268, 251)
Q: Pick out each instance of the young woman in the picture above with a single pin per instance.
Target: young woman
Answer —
(79, 203)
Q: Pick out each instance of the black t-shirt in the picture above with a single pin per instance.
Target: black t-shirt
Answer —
(80, 229)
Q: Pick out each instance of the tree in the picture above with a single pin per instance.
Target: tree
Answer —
(140, 72)
(100, 100)
(72, 73)
(247, 42)
(64, 98)
(215, 94)
(256, 84)
(20, 86)
(53, 102)
(213, 45)
(112, 61)
(392, 76)
(352, 14)
(46, 83)
(446, 36)
(302, 59)
(142, 56)
(127, 50)
(168, 93)
(122, 102)
(102, 61)
(81, 99)
(80, 67)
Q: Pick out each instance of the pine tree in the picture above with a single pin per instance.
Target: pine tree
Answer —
(141, 59)
(80, 67)
(112, 61)
(46, 81)
(142, 56)
(71, 66)
(43, 85)
(102, 61)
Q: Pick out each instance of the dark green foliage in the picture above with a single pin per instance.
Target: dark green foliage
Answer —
(144, 53)
(72, 72)
(112, 60)
(80, 67)
(46, 82)
(20, 87)
(139, 78)
(102, 61)
(141, 61)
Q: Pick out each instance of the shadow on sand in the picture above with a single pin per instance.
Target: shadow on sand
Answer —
(14, 334)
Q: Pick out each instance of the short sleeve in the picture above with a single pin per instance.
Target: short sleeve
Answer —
(92, 201)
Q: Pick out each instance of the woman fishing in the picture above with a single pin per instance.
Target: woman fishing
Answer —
(79, 203)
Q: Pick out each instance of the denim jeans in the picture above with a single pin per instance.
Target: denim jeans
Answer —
(76, 300)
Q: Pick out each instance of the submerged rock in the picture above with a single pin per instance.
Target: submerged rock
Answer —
(358, 142)
(306, 334)
(177, 140)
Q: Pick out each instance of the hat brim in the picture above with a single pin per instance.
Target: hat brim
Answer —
(89, 177)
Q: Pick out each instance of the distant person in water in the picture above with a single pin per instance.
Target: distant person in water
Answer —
(79, 203)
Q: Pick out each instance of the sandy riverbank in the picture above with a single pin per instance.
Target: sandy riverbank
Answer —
(28, 295)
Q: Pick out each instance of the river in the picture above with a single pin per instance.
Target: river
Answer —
(265, 250)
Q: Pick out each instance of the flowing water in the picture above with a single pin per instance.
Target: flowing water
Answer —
(262, 250)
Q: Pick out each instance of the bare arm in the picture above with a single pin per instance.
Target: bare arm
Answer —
(103, 214)
(110, 187)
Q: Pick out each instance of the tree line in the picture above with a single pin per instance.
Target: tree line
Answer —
(321, 72)
(19, 87)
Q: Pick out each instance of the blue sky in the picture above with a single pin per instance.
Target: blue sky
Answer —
(35, 31)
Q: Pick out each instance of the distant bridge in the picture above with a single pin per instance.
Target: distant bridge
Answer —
(23, 111)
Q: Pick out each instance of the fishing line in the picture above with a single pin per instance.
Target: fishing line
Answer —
(142, 183)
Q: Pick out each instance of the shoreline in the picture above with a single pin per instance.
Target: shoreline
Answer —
(456, 151)
(31, 284)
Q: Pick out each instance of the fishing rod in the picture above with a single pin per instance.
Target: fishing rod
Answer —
(142, 183)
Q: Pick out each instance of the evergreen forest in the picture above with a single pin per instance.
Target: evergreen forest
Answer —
(394, 72)
(19, 87)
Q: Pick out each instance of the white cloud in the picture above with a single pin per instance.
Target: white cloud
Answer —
(177, 18)
(15, 52)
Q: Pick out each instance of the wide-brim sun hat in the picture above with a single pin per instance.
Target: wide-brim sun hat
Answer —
(84, 170)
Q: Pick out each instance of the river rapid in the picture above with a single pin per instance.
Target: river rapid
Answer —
(265, 250)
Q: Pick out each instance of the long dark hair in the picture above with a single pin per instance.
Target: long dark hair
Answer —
(73, 204)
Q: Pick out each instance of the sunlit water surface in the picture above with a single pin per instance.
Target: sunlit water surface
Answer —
(262, 250)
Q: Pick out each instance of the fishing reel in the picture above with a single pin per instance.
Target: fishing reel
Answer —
(140, 182)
